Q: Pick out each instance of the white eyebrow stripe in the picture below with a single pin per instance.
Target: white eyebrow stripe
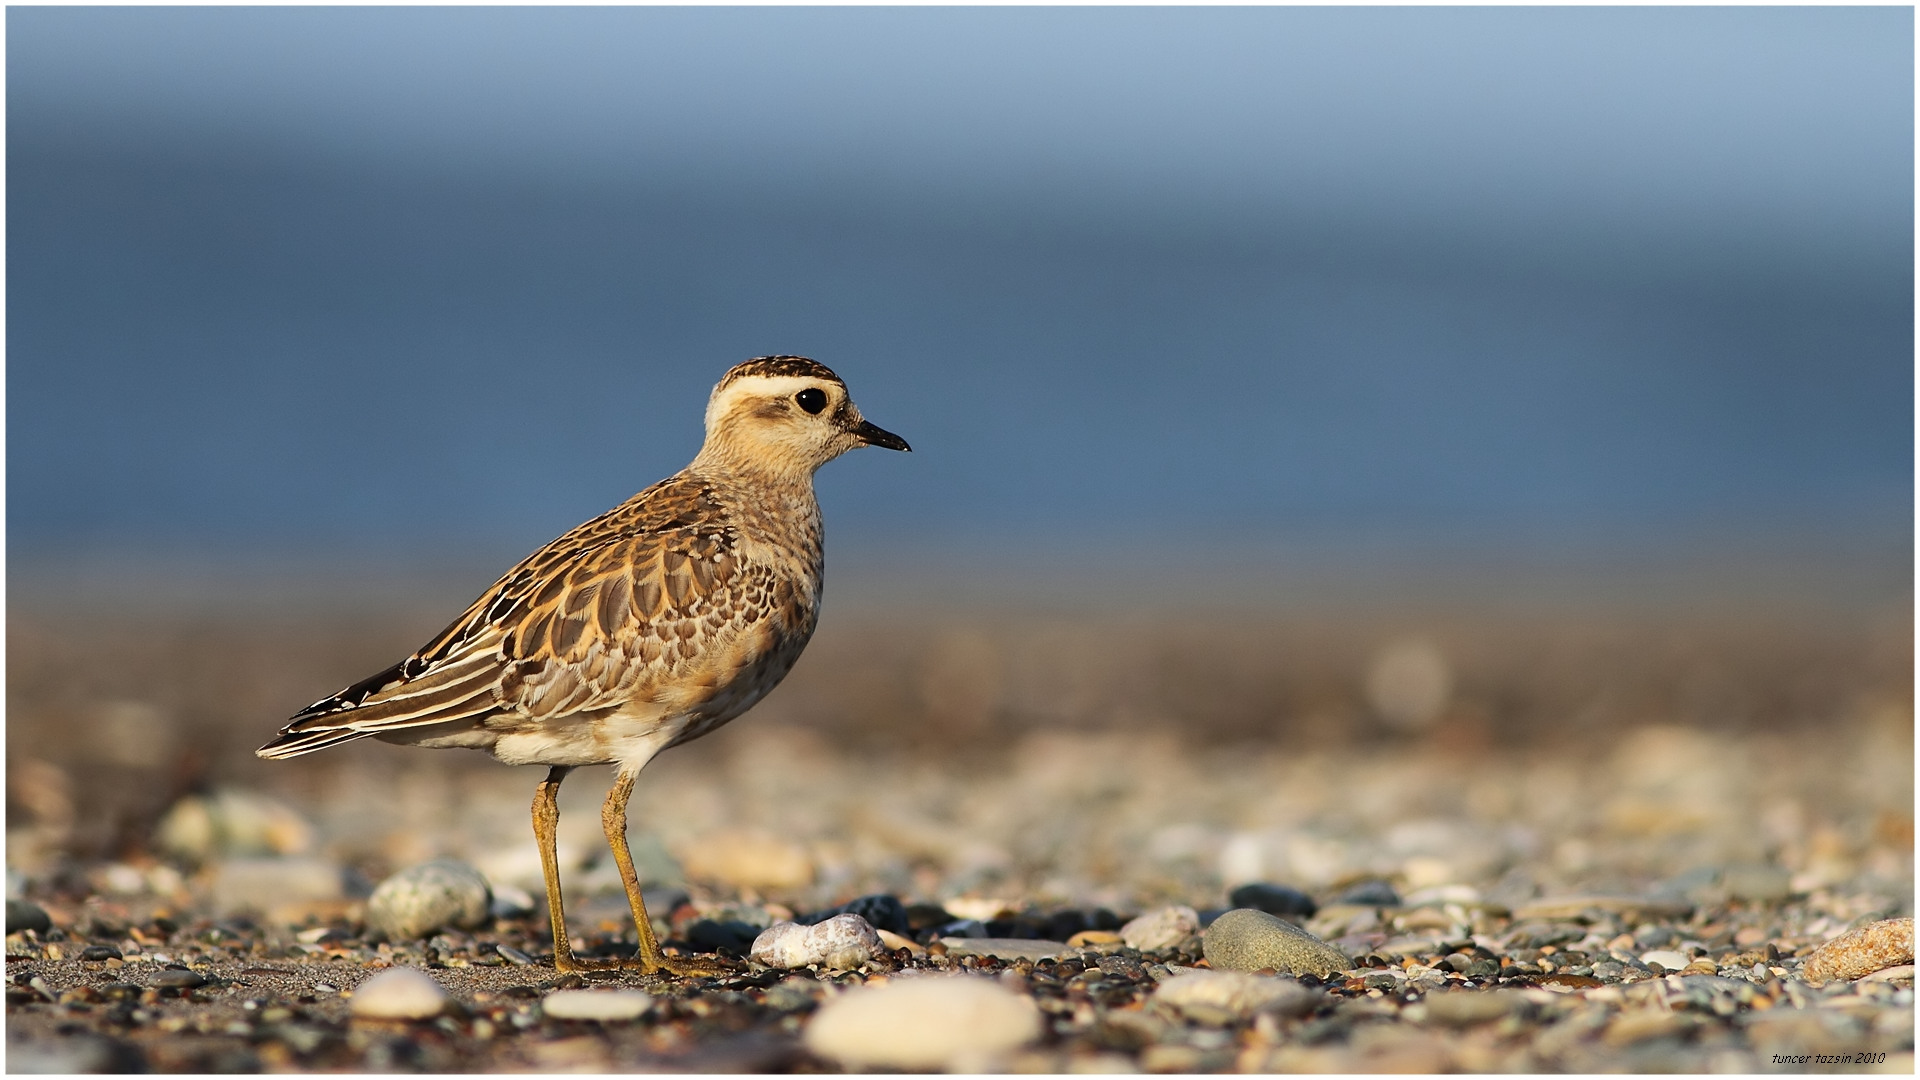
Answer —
(766, 386)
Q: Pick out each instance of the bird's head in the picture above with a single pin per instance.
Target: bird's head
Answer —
(786, 414)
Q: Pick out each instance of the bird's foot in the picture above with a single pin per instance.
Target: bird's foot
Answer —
(687, 966)
(684, 966)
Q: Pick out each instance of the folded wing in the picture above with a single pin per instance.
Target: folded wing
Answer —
(585, 623)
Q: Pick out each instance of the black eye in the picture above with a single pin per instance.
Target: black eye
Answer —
(811, 399)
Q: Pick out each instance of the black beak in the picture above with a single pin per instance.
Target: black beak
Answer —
(879, 436)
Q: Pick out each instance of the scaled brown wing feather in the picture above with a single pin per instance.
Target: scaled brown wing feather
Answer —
(580, 624)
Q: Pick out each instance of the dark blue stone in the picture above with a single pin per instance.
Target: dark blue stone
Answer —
(882, 912)
(1278, 899)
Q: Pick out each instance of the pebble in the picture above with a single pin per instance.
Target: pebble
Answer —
(792, 994)
(1874, 947)
(1249, 940)
(1462, 1008)
(27, 915)
(99, 952)
(1163, 928)
(894, 942)
(955, 1022)
(1273, 899)
(841, 943)
(430, 896)
(882, 912)
(733, 936)
(400, 993)
(601, 1006)
(1006, 948)
(179, 979)
(1371, 893)
(1222, 997)
(1670, 959)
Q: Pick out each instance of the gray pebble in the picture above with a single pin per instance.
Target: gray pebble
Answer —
(179, 979)
(27, 915)
(1249, 940)
(443, 893)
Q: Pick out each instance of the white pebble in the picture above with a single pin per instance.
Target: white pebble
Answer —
(599, 1005)
(1161, 929)
(400, 993)
(842, 943)
(931, 1022)
(1671, 959)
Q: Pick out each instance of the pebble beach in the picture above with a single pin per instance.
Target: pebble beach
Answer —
(1645, 897)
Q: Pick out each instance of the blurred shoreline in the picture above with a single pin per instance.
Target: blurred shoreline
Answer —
(1866, 572)
(140, 681)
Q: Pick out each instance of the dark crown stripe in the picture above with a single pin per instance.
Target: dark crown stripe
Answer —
(781, 365)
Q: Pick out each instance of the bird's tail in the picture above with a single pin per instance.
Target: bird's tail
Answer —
(294, 743)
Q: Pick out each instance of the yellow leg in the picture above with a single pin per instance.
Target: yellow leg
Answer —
(649, 958)
(546, 826)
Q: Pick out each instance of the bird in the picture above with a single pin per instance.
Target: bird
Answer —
(638, 630)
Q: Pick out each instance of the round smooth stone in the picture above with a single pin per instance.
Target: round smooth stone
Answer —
(950, 1022)
(27, 915)
(430, 896)
(1247, 940)
(400, 993)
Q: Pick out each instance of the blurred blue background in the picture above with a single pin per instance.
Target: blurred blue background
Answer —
(291, 283)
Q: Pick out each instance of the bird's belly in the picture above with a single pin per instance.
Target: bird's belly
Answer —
(580, 739)
(752, 679)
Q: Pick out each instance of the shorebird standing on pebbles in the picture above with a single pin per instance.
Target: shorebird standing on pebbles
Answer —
(650, 625)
